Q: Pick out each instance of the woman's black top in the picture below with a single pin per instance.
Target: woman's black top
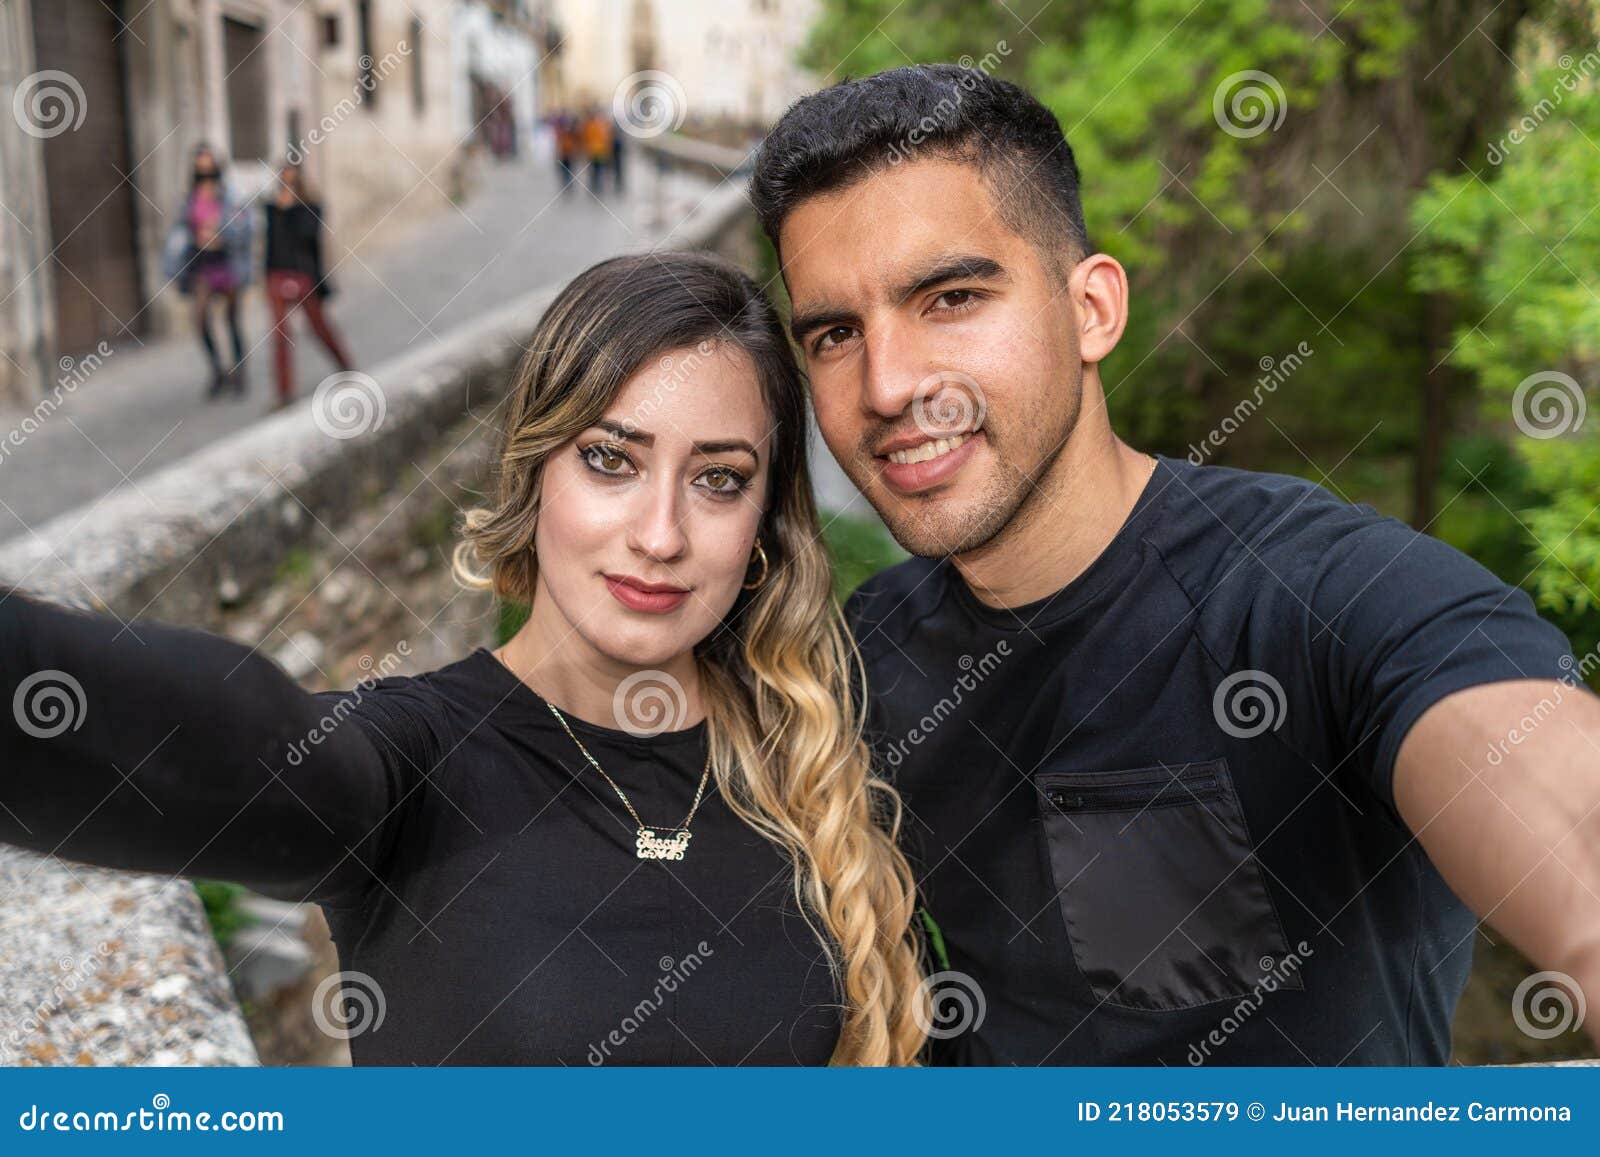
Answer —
(474, 869)
(294, 239)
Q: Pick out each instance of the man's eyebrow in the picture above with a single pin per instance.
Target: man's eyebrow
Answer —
(961, 267)
(630, 433)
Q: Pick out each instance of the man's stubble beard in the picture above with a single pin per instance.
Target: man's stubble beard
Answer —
(1011, 500)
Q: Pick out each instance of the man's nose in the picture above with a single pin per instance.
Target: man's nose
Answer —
(894, 369)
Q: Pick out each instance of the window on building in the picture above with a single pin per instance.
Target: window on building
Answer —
(364, 63)
(419, 96)
(245, 64)
(330, 31)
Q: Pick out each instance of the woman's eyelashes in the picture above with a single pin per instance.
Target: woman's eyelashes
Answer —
(730, 482)
(609, 460)
(599, 455)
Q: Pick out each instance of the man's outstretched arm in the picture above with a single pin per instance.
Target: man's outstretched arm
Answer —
(1501, 784)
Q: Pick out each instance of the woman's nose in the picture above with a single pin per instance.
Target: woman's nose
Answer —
(657, 529)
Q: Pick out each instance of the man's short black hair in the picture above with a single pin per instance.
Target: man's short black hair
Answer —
(835, 137)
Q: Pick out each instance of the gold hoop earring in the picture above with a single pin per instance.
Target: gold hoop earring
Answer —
(763, 555)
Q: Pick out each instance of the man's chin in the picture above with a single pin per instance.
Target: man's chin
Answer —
(946, 528)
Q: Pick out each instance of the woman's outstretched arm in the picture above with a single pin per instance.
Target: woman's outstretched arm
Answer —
(168, 749)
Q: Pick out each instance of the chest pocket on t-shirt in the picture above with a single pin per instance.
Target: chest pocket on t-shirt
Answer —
(1158, 884)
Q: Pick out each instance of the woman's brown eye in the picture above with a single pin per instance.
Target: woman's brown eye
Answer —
(717, 477)
(605, 459)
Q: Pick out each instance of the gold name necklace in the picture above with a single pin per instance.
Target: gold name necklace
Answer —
(651, 843)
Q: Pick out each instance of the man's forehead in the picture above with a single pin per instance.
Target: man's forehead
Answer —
(874, 233)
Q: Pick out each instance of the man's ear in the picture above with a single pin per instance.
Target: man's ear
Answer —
(1099, 287)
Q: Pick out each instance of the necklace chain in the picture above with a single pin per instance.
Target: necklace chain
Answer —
(705, 776)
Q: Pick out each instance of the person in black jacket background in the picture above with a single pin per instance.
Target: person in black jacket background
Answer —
(295, 278)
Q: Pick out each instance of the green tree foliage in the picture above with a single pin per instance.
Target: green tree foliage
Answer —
(1517, 240)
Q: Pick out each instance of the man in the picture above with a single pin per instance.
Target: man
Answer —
(1197, 760)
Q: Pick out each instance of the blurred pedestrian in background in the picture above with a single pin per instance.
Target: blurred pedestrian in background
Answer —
(295, 277)
(597, 137)
(616, 155)
(207, 253)
(566, 128)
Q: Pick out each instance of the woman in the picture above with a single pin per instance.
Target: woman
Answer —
(644, 830)
(295, 278)
(207, 253)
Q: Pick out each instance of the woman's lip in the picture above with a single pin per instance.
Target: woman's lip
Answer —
(911, 477)
(651, 602)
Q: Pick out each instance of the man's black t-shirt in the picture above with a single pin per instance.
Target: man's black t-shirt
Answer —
(1152, 814)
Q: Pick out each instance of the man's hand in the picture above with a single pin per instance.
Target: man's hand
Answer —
(1501, 784)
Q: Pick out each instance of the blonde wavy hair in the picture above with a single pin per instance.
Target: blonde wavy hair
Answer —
(781, 678)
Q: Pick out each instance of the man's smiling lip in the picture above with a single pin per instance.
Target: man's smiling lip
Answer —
(913, 477)
(916, 438)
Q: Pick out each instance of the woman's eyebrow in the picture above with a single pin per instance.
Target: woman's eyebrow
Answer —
(630, 433)
(626, 431)
(723, 445)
